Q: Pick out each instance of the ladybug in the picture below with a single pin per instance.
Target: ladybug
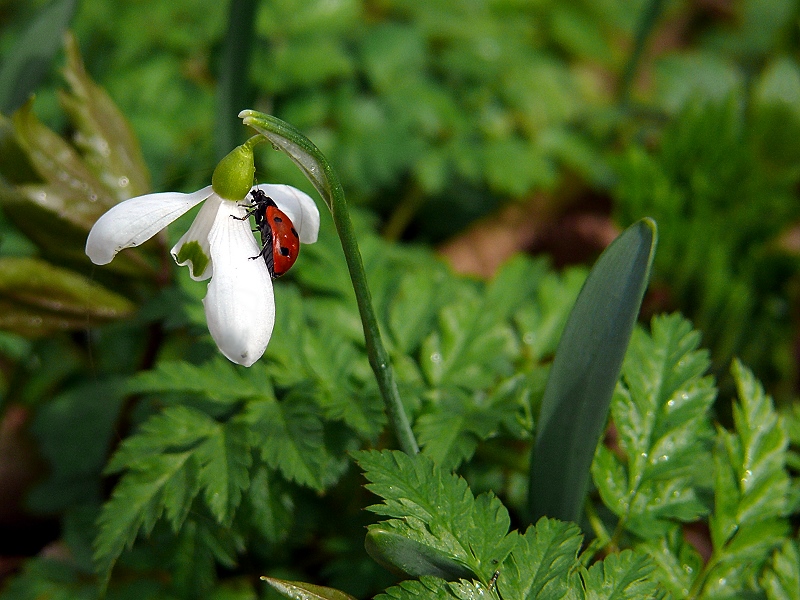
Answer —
(280, 242)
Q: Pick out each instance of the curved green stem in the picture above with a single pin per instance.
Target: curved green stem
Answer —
(311, 161)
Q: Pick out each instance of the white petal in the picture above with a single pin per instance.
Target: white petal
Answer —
(193, 247)
(298, 206)
(240, 306)
(136, 220)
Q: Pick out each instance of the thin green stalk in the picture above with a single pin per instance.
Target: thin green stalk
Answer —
(311, 161)
(647, 22)
(232, 87)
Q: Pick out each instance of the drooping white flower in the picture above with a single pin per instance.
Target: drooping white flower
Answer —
(219, 245)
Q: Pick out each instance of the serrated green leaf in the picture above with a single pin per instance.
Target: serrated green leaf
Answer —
(677, 562)
(782, 579)
(541, 323)
(542, 562)
(28, 62)
(138, 502)
(751, 490)
(451, 430)
(335, 362)
(38, 298)
(762, 476)
(469, 347)
(269, 505)
(217, 379)
(106, 139)
(297, 590)
(426, 588)
(173, 458)
(289, 435)
(584, 373)
(437, 509)
(225, 461)
(660, 410)
(751, 483)
(620, 576)
(177, 428)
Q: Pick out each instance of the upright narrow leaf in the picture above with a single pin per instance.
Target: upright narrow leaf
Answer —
(585, 370)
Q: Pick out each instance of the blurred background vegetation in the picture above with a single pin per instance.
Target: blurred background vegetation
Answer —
(555, 122)
(479, 127)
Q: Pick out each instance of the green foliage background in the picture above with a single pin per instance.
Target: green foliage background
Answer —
(170, 473)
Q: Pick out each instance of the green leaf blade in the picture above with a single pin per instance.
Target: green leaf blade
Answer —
(38, 298)
(584, 373)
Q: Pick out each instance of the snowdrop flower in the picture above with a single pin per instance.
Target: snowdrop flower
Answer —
(219, 245)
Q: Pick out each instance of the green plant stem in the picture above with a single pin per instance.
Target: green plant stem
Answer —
(311, 161)
(647, 22)
(232, 86)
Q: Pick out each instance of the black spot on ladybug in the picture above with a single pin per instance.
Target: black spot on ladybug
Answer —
(295, 234)
(277, 220)
(284, 251)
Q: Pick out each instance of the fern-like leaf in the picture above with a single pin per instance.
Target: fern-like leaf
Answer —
(677, 562)
(217, 379)
(660, 410)
(620, 576)
(542, 562)
(751, 489)
(451, 430)
(429, 588)
(139, 500)
(782, 580)
(437, 509)
(289, 435)
(176, 455)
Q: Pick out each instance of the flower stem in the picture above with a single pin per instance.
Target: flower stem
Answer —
(314, 165)
(647, 22)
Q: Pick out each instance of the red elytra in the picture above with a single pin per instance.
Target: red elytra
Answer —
(279, 239)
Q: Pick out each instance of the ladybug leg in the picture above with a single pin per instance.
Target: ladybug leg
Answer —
(250, 212)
